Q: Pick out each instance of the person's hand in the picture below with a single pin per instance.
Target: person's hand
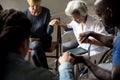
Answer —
(83, 37)
(66, 58)
(78, 58)
(54, 22)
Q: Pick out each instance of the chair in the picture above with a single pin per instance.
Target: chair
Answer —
(107, 57)
(55, 46)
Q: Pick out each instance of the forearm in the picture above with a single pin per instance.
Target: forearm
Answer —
(95, 42)
(100, 73)
(66, 71)
(63, 25)
(50, 29)
(105, 40)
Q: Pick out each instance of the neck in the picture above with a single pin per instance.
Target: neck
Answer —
(84, 20)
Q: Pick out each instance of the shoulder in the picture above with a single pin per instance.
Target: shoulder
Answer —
(45, 9)
(93, 20)
(26, 10)
(43, 74)
(34, 73)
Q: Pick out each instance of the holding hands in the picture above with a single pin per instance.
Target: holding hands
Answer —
(57, 22)
(69, 57)
(66, 58)
(54, 22)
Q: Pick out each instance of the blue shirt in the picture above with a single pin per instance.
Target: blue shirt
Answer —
(66, 71)
(116, 51)
(40, 23)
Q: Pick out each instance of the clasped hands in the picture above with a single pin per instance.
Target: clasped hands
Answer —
(69, 57)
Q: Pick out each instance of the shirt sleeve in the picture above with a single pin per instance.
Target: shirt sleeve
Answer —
(116, 51)
(49, 27)
(66, 71)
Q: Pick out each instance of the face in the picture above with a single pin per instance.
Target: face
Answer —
(77, 17)
(34, 8)
(104, 13)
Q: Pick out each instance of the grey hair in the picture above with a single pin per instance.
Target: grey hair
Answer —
(76, 5)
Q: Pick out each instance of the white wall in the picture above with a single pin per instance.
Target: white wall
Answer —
(56, 7)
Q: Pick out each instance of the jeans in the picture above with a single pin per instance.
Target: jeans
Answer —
(38, 54)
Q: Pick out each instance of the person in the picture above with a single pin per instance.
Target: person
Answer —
(15, 30)
(107, 11)
(83, 22)
(40, 32)
(1, 8)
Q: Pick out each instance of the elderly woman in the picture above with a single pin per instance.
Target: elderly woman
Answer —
(40, 32)
(83, 22)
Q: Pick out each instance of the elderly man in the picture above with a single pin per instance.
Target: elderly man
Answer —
(110, 15)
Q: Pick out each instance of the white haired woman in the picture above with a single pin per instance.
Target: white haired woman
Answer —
(83, 22)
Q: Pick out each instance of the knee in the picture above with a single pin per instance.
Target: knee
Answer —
(35, 45)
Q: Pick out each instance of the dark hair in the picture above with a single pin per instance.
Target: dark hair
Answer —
(1, 8)
(14, 28)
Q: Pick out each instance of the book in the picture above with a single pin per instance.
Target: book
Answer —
(78, 51)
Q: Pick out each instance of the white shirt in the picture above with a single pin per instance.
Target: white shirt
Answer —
(92, 24)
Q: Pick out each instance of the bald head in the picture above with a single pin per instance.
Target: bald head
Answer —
(108, 11)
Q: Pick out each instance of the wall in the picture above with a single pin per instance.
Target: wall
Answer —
(56, 7)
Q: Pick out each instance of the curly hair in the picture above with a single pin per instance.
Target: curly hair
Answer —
(14, 28)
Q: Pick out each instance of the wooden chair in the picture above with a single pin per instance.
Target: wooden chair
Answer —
(55, 46)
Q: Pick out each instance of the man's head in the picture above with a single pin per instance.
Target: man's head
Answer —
(77, 10)
(108, 11)
(14, 29)
(34, 6)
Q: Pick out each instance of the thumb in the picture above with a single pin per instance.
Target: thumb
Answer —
(75, 57)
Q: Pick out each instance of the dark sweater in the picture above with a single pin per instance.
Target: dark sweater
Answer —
(40, 23)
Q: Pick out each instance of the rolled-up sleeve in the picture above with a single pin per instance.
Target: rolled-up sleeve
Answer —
(66, 71)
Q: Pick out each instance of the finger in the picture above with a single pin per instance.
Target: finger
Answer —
(75, 59)
(83, 39)
(59, 59)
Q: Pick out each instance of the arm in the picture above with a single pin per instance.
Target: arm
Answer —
(100, 73)
(91, 40)
(66, 67)
(57, 22)
(102, 39)
(66, 71)
(49, 27)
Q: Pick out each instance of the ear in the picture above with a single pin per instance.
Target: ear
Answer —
(109, 11)
(24, 46)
